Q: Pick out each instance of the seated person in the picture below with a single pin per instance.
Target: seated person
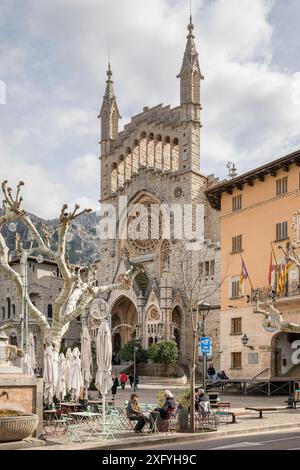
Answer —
(202, 404)
(166, 411)
(134, 413)
(221, 375)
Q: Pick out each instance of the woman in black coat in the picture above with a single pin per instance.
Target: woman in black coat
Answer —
(114, 386)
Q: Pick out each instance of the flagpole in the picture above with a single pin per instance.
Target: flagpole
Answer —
(247, 272)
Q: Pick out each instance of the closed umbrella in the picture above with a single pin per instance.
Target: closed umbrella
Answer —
(103, 380)
(86, 358)
(48, 376)
(60, 392)
(31, 350)
(68, 368)
(76, 381)
(27, 368)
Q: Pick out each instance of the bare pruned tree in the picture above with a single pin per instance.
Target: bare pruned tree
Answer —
(77, 291)
(194, 289)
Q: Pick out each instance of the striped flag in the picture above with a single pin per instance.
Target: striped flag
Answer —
(243, 275)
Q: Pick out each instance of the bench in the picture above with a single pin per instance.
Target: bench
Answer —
(260, 410)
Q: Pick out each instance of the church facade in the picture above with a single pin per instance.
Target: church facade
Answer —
(154, 161)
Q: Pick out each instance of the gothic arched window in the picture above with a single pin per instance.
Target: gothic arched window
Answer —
(8, 307)
(49, 311)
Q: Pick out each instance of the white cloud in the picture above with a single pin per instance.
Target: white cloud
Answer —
(54, 60)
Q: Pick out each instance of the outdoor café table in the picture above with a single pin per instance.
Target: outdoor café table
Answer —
(52, 420)
(68, 406)
(90, 422)
(94, 403)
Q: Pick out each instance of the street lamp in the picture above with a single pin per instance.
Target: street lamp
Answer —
(204, 309)
(245, 340)
(135, 350)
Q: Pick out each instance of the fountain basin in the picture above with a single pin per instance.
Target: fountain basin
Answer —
(17, 427)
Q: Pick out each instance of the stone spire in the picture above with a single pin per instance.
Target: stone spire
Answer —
(190, 74)
(109, 113)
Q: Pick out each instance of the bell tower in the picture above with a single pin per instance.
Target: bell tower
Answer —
(109, 115)
(190, 77)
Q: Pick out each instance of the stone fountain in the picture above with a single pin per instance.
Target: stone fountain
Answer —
(20, 397)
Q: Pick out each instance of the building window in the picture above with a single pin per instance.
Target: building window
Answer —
(237, 203)
(236, 360)
(281, 231)
(78, 318)
(13, 308)
(3, 313)
(235, 289)
(8, 308)
(237, 244)
(49, 311)
(212, 267)
(206, 268)
(281, 186)
(236, 326)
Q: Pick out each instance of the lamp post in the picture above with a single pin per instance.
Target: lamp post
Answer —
(135, 349)
(203, 310)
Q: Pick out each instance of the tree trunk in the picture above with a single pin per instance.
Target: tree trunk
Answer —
(192, 382)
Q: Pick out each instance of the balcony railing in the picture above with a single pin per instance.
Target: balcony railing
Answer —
(292, 289)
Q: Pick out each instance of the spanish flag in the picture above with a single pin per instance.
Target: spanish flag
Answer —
(243, 275)
(283, 277)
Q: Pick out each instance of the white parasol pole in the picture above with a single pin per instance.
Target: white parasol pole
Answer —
(103, 412)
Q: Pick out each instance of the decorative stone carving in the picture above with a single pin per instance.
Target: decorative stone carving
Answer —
(153, 314)
(178, 192)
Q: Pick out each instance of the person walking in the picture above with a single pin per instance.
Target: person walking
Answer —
(114, 385)
(134, 413)
(131, 379)
(123, 380)
(211, 372)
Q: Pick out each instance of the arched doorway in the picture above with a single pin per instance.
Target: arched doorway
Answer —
(123, 321)
(284, 362)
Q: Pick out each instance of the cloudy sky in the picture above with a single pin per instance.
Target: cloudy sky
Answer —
(53, 58)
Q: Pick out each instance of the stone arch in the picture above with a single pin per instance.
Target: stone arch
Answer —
(175, 155)
(196, 87)
(123, 311)
(281, 358)
(150, 152)
(158, 152)
(114, 177)
(167, 154)
(143, 149)
(135, 156)
(121, 171)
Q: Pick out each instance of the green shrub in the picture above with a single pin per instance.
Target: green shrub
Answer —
(165, 352)
(127, 353)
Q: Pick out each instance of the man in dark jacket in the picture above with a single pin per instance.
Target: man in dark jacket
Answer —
(134, 413)
(166, 411)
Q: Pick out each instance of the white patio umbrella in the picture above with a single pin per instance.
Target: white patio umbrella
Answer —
(103, 379)
(31, 350)
(60, 391)
(86, 358)
(68, 368)
(76, 381)
(26, 365)
(48, 376)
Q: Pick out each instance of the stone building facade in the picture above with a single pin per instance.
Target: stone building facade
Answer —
(155, 160)
(44, 285)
